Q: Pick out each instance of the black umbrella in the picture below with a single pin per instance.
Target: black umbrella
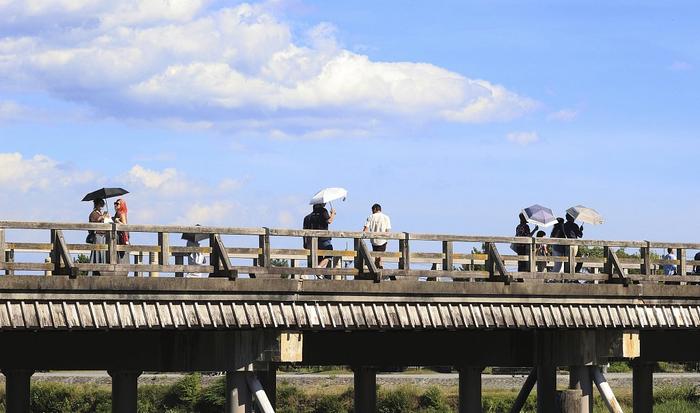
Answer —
(188, 236)
(105, 193)
(194, 237)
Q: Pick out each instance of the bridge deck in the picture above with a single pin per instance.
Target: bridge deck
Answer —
(119, 303)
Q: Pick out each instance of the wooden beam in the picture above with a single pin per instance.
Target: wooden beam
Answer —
(404, 249)
(62, 255)
(447, 252)
(164, 244)
(524, 392)
(496, 267)
(264, 243)
(223, 265)
(366, 256)
(613, 266)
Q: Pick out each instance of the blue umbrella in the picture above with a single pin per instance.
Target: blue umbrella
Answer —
(542, 216)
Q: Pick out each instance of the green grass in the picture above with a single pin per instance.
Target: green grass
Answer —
(188, 395)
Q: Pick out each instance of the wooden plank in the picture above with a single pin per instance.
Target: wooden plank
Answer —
(264, 242)
(112, 247)
(164, 244)
(682, 268)
(404, 249)
(447, 250)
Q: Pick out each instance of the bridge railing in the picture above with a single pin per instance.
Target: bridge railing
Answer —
(433, 257)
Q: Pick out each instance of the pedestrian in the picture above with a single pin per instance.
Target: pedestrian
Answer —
(558, 250)
(195, 258)
(523, 230)
(378, 222)
(121, 212)
(543, 251)
(97, 237)
(572, 231)
(669, 269)
(320, 219)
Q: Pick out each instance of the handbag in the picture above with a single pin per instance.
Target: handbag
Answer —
(90, 239)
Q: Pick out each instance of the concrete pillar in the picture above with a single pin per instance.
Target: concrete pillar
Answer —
(642, 387)
(268, 379)
(470, 389)
(17, 385)
(238, 397)
(124, 390)
(365, 389)
(546, 388)
(580, 379)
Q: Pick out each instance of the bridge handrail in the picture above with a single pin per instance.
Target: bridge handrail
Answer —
(490, 264)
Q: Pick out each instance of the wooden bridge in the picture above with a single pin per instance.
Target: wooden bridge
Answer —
(261, 300)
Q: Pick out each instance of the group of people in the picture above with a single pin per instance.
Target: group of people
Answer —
(564, 228)
(100, 237)
(320, 218)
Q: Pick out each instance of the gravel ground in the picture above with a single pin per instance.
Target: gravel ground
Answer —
(489, 381)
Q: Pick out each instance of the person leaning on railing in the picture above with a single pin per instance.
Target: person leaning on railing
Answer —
(97, 237)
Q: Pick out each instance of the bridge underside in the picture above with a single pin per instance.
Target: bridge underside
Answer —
(127, 325)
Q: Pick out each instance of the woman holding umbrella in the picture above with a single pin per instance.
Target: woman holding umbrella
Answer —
(97, 237)
(523, 230)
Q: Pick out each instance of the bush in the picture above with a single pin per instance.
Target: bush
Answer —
(213, 397)
(185, 392)
(64, 398)
(433, 400)
(400, 400)
(619, 367)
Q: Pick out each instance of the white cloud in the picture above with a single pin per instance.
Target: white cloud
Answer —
(177, 61)
(11, 111)
(680, 66)
(523, 138)
(38, 172)
(216, 213)
(563, 115)
(167, 182)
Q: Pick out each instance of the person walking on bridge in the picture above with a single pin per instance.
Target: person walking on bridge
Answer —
(523, 230)
(378, 222)
(565, 229)
(319, 218)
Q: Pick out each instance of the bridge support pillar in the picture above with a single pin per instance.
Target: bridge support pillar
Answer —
(124, 390)
(642, 386)
(268, 379)
(238, 396)
(545, 346)
(365, 389)
(17, 384)
(470, 389)
(580, 379)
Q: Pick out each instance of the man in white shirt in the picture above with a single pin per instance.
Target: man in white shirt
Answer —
(378, 222)
(669, 269)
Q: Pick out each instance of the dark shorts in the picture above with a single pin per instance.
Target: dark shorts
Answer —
(326, 246)
(379, 248)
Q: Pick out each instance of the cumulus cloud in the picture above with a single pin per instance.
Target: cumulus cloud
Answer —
(563, 115)
(38, 172)
(523, 138)
(179, 60)
(216, 213)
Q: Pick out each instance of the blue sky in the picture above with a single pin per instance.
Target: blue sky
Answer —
(453, 115)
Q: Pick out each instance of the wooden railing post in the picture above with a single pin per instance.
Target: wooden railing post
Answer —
(405, 260)
(313, 253)
(571, 259)
(532, 255)
(3, 253)
(495, 266)
(164, 244)
(447, 258)
(357, 260)
(612, 265)
(60, 254)
(138, 259)
(112, 245)
(179, 260)
(53, 254)
(264, 245)
(214, 259)
(9, 257)
(645, 252)
(682, 268)
(152, 260)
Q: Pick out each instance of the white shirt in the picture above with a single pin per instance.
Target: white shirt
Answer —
(378, 222)
(669, 269)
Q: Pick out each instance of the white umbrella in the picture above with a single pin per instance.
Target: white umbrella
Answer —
(328, 195)
(585, 214)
